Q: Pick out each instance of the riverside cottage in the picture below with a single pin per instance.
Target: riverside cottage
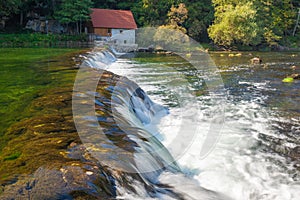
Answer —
(117, 26)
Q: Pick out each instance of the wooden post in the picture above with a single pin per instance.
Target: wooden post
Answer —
(297, 23)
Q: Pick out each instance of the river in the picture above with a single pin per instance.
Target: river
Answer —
(257, 154)
(243, 116)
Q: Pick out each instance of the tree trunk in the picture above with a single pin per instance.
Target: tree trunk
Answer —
(53, 5)
(77, 27)
(80, 27)
(297, 23)
(21, 18)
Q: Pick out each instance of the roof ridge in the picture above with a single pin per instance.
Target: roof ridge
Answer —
(109, 18)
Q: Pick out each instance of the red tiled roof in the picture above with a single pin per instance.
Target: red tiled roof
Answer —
(105, 18)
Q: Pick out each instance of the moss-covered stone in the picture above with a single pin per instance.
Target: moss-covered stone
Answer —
(43, 157)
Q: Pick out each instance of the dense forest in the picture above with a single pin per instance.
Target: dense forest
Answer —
(227, 23)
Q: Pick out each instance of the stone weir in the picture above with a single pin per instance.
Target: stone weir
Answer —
(47, 157)
(44, 157)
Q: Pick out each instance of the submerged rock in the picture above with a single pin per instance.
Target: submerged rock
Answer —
(291, 78)
(68, 182)
(256, 60)
(295, 152)
(288, 80)
(295, 76)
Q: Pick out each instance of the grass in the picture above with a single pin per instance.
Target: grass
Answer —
(19, 55)
(38, 39)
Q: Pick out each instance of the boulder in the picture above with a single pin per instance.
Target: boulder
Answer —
(256, 60)
(295, 76)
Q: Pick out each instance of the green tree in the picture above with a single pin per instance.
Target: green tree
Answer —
(235, 23)
(9, 7)
(177, 16)
(252, 22)
(116, 4)
(74, 12)
(173, 33)
(201, 15)
(23, 7)
(154, 12)
(83, 8)
(111, 4)
(276, 19)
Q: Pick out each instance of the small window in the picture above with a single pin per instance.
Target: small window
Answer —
(109, 31)
(125, 41)
(121, 31)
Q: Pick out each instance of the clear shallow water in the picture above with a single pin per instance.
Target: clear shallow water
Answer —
(255, 157)
(25, 74)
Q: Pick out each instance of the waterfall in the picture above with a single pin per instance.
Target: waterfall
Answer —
(127, 141)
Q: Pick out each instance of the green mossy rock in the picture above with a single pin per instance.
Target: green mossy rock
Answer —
(43, 157)
(288, 80)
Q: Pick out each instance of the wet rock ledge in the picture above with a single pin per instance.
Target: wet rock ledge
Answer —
(44, 157)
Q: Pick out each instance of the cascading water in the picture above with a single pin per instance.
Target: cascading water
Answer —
(135, 146)
(241, 165)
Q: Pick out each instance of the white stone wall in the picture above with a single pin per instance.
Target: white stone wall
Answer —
(123, 36)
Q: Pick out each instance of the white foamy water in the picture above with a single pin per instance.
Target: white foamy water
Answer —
(237, 166)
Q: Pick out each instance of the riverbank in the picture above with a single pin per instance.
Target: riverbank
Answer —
(11, 40)
(291, 47)
(44, 40)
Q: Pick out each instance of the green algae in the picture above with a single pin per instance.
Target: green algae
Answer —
(26, 74)
(29, 94)
(38, 134)
(288, 80)
(37, 125)
(13, 156)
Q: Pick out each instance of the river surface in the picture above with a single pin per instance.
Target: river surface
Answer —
(257, 154)
(254, 118)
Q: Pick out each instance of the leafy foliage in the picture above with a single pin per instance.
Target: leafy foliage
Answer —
(252, 22)
(201, 15)
(235, 23)
(226, 22)
(173, 32)
(38, 39)
(74, 11)
(9, 7)
(276, 19)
